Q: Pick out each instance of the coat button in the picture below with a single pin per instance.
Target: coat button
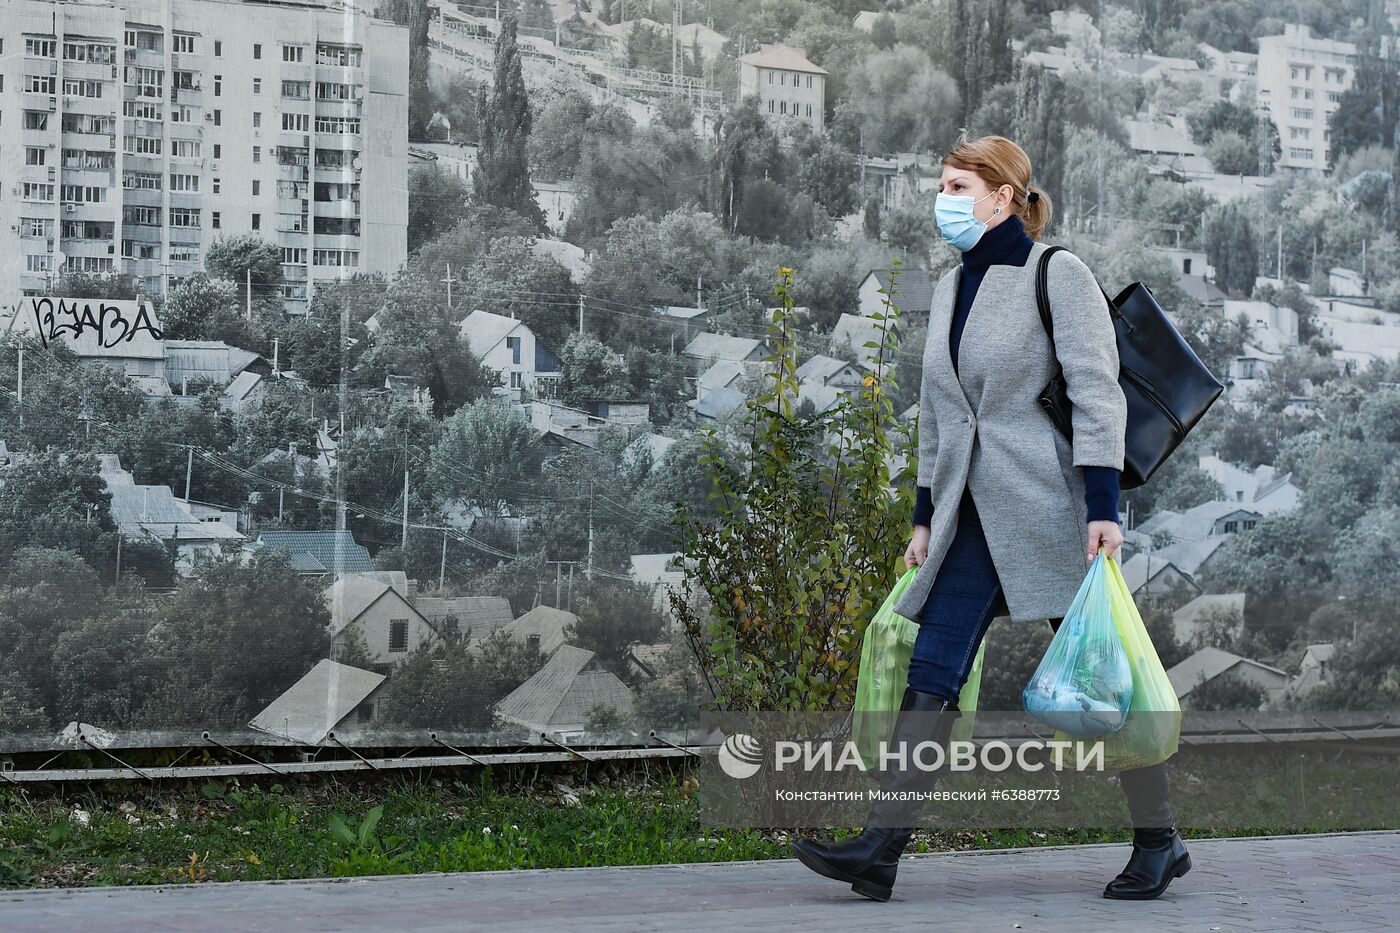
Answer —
(967, 419)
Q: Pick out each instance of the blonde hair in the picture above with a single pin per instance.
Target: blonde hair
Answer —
(999, 161)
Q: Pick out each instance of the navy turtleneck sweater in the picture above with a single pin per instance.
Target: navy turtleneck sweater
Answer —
(1008, 244)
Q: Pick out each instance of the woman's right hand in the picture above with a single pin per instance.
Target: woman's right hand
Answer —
(917, 552)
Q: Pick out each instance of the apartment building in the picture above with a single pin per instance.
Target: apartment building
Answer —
(134, 134)
(1300, 81)
(786, 82)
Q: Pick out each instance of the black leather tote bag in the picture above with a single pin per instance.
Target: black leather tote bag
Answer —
(1167, 386)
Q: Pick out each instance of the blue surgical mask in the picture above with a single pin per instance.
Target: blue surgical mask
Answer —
(956, 222)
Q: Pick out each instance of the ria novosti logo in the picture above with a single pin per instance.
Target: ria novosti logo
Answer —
(740, 756)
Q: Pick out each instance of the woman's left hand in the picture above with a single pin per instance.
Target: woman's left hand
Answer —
(1106, 535)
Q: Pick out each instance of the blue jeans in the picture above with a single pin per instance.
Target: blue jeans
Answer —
(965, 597)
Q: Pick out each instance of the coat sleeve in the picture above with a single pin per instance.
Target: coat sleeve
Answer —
(1088, 352)
(928, 423)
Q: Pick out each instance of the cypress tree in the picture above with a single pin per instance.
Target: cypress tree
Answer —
(502, 175)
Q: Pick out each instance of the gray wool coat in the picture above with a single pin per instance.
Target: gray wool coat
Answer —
(981, 427)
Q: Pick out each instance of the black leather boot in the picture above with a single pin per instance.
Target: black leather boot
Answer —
(868, 862)
(1159, 855)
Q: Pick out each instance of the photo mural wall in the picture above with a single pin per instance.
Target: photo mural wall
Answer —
(496, 375)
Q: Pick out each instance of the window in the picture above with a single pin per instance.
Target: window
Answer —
(218, 85)
(339, 125)
(184, 252)
(181, 114)
(327, 54)
(142, 145)
(39, 263)
(1186, 266)
(1299, 132)
(149, 181)
(134, 215)
(770, 77)
(142, 109)
(34, 155)
(184, 182)
(297, 90)
(1302, 113)
(330, 90)
(293, 256)
(218, 48)
(77, 87)
(39, 48)
(1231, 527)
(398, 632)
(184, 148)
(257, 85)
(257, 153)
(215, 185)
(336, 257)
(40, 227)
(36, 120)
(181, 43)
(293, 53)
(40, 84)
(257, 118)
(184, 217)
(257, 221)
(337, 226)
(257, 50)
(513, 344)
(33, 191)
(296, 122)
(214, 219)
(516, 381)
(532, 642)
(257, 187)
(218, 150)
(218, 118)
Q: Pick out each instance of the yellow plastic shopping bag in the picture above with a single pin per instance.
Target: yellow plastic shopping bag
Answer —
(1152, 730)
(885, 653)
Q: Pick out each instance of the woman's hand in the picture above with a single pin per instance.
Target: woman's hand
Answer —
(1104, 534)
(917, 552)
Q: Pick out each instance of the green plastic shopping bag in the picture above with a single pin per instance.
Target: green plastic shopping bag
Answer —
(1152, 729)
(884, 673)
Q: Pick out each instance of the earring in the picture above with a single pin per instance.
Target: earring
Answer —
(996, 210)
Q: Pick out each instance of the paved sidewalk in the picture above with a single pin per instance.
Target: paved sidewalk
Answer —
(1333, 883)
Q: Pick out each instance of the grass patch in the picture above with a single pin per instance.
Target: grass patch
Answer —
(586, 815)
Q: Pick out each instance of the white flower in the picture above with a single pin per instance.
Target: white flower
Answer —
(486, 830)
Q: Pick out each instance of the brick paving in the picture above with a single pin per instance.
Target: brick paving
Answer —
(1336, 883)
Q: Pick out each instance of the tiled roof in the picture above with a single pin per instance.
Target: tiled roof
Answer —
(1209, 663)
(710, 346)
(477, 616)
(546, 622)
(352, 593)
(785, 57)
(334, 550)
(558, 697)
(316, 703)
(915, 289)
(484, 330)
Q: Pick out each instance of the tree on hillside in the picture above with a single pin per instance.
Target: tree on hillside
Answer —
(1232, 249)
(502, 175)
(247, 260)
(414, 14)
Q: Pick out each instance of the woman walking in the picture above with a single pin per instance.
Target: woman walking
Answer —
(1008, 512)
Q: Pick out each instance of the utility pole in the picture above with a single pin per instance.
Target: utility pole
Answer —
(699, 283)
(248, 292)
(442, 565)
(589, 570)
(21, 387)
(189, 469)
(1280, 254)
(276, 351)
(580, 314)
(449, 280)
(403, 543)
(118, 577)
